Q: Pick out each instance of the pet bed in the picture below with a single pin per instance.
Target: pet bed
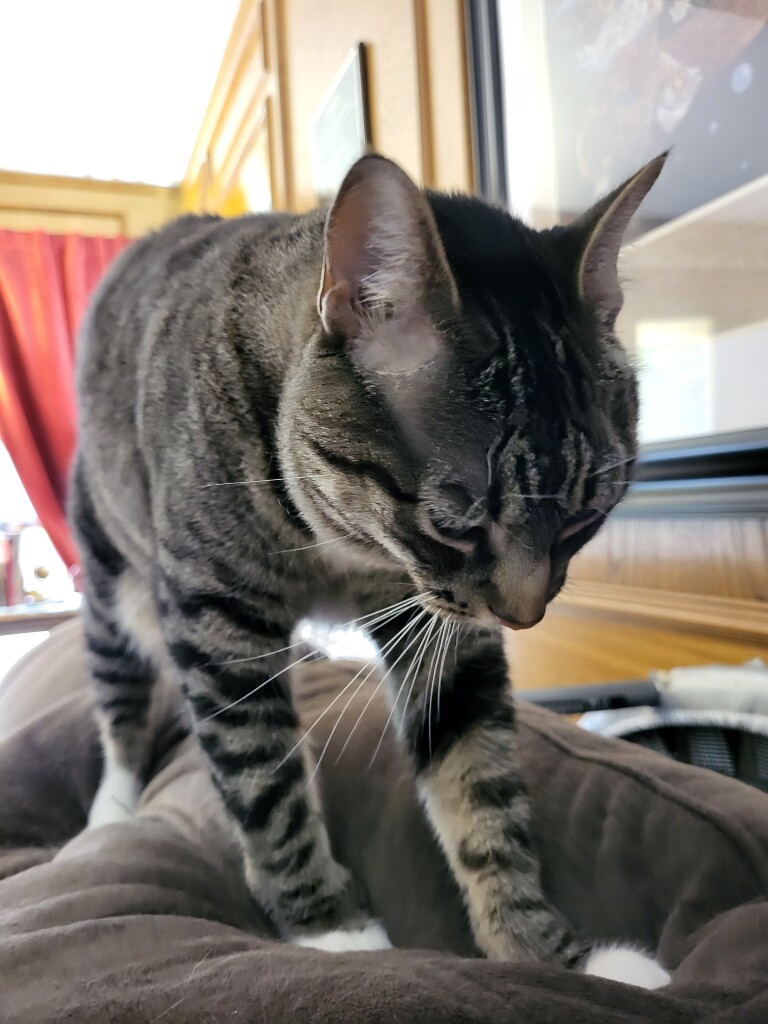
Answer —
(148, 920)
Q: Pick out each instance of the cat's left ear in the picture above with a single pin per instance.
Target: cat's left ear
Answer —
(601, 230)
(383, 256)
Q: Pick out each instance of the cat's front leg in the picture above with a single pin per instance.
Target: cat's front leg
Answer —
(462, 736)
(233, 662)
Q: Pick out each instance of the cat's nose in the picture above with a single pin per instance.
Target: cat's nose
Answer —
(518, 592)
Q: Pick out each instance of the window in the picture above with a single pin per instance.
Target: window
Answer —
(581, 95)
(31, 568)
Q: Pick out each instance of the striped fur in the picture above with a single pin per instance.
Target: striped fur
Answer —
(436, 434)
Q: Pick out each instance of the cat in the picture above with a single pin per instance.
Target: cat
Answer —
(408, 412)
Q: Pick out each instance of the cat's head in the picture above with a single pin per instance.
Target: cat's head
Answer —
(464, 410)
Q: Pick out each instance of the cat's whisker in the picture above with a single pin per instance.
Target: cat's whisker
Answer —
(255, 483)
(322, 715)
(417, 672)
(453, 629)
(489, 458)
(432, 680)
(260, 686)
(287, 668)
(432, 666)
(415, 661)
(319, 544)
(343, 691)
(380, 683)
(421, 638)
(610, 466)
(363, 621)
(426, 711)
(382, 655)
(535, 497)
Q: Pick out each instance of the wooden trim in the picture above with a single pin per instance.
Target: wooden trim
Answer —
(700, 613)
(444, 96)
(47, 217)
(245, 101)
(246, 92)
(278, 115)
(245, 24)
(60, 205)
(424, 75)
(51, 181)
(466, 147)
(246, 132)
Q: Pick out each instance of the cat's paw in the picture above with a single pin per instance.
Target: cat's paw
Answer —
(116, 798)
(622, 963)
(372, 936)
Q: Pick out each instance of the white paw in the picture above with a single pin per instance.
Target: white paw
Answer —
(116, 798)
(372, 936)
(622, 963)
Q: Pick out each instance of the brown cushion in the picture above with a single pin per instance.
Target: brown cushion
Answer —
(150, 919)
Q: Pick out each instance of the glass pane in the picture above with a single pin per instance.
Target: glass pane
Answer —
(594, 90)
(30, 568)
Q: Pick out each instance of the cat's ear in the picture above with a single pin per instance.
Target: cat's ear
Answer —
(601, 230)
(383, 256)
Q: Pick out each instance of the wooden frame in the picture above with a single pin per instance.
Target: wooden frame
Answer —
(39, 202)
(267, 62)
(444, 95)
(245, 102)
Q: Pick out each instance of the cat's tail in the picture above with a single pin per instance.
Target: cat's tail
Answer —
(630, 964)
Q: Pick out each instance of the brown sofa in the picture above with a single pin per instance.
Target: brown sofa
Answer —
(149, 920)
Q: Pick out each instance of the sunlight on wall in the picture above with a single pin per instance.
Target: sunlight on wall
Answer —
(676, 379)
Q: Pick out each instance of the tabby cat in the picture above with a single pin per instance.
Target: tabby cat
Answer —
(409, 411)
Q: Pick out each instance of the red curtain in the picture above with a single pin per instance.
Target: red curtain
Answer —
(45, 283)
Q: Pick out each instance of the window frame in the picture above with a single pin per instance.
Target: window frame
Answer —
(719, 474)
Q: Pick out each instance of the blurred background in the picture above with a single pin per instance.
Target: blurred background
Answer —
(117, 117)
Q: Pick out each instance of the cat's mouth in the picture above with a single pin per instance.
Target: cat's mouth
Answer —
(514, 624)
(447, 607)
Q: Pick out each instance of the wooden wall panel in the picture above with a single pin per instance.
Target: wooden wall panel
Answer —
(282, 58)
(318, 40)
(417, 78)
(446, 140)
(244, 111)
(719, 557)
(572, 646)
(653, 593)
(36, 202)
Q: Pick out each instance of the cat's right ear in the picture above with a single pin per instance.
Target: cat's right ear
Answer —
(601, 233)
(383, 256)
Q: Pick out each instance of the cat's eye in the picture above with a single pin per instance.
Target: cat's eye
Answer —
(461, 536)
(468, 534)
(455, 517)
(577, 524)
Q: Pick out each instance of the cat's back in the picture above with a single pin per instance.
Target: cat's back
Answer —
(172, 290)
(166, 303)
(190, 254)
